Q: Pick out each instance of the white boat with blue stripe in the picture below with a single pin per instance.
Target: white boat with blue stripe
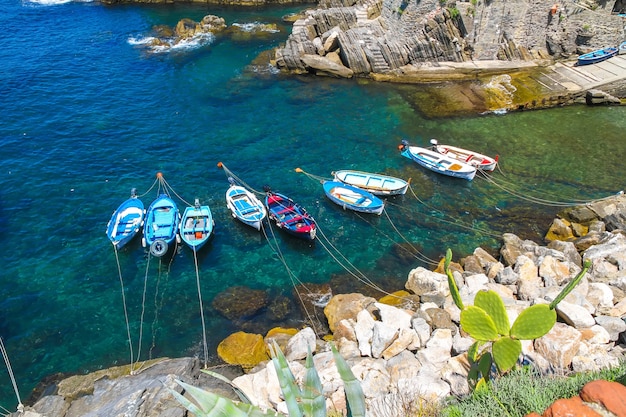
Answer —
(377, 184)
(245, 206)
(437, 162)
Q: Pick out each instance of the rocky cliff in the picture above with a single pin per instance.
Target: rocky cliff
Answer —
(385, 36)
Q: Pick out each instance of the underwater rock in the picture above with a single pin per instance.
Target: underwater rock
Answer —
(240, 302)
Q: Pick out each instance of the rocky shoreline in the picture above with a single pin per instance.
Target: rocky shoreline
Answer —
(407, 344)
(498, 55)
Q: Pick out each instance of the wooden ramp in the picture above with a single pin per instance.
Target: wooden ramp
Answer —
(571, 78)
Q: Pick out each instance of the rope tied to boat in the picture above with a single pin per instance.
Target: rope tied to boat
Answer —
(313, 177)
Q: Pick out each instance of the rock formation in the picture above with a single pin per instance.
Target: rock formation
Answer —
(392, 36)
(412, 347)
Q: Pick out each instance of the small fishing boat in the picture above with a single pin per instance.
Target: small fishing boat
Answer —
(196, 225)
(161, 225)
(376, 184)
(126, 221)
(479, 161)
(244, 205)
(353, 198)
(289, 215)
(437, 162)
(597, 56)
(622, 48)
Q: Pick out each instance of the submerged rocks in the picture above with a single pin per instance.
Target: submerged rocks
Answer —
(415, 349)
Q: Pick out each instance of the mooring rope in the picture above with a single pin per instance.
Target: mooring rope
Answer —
(143, 309)
(158, 302)
(311, 176)
(156, 181)
(232, 175)
(119, 272)
(418, 255)
(454, 222)
(5, 356)
(531, 199)
(204, 338)
(292, 276)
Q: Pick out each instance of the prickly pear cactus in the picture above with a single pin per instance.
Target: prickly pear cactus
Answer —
(488, 323)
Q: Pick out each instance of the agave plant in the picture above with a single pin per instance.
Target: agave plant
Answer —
(307, 401)
(487, 322)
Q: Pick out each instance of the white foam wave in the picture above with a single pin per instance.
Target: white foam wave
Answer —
(48, 2)
(170, 44)
(141, 40)
(256, 27)
(54, 2)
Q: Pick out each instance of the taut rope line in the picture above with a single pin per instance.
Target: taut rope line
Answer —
(291, 274)
(143, 309)
(453, 222)
(5, 356)
(204, 342)
(119, 272)
(231, 174)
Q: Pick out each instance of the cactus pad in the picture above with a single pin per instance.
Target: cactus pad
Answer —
(479, 325)
(533, 322)
(505, 353)
(491, 302)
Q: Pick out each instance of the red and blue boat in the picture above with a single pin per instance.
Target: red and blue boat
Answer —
(289, 215)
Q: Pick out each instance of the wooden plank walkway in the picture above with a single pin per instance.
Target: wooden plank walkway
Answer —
(571, 78)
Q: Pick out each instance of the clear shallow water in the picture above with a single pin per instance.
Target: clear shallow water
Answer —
(88, 113)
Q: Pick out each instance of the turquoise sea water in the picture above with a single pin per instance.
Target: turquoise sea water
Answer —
(88, 112)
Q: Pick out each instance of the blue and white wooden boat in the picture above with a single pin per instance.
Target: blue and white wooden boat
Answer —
(289, 215)
(597, 56)
(353, 198)
(622, 48)
(245, 206)
(437, 162)
(196, 225)
(126, 221)
(376, 184)
(475, 159)
(161, 225)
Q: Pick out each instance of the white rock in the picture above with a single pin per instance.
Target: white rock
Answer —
(300, 343)
(382, 336)
(575, 315)
(393, 316)
(364, 329)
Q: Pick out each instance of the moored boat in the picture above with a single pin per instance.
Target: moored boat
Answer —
(437, 162)
(196, 225)
(475, 159)
(353, 198)
(622, 48)
(597, 56)
(126, 221)
(289, 215)
(245, 206)
(161, 225)
(377, 184)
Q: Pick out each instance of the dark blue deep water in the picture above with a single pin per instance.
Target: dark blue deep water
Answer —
(88, 112)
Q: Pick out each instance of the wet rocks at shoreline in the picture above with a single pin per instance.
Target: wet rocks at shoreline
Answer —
(415, 349)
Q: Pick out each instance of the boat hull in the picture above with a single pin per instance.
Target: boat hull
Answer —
(126, 222)
(597, 56)
(353, 198)
(290, 216)
(437, 162)
(377, 184)
(161, 225)
(245, 206)
(196, 226)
